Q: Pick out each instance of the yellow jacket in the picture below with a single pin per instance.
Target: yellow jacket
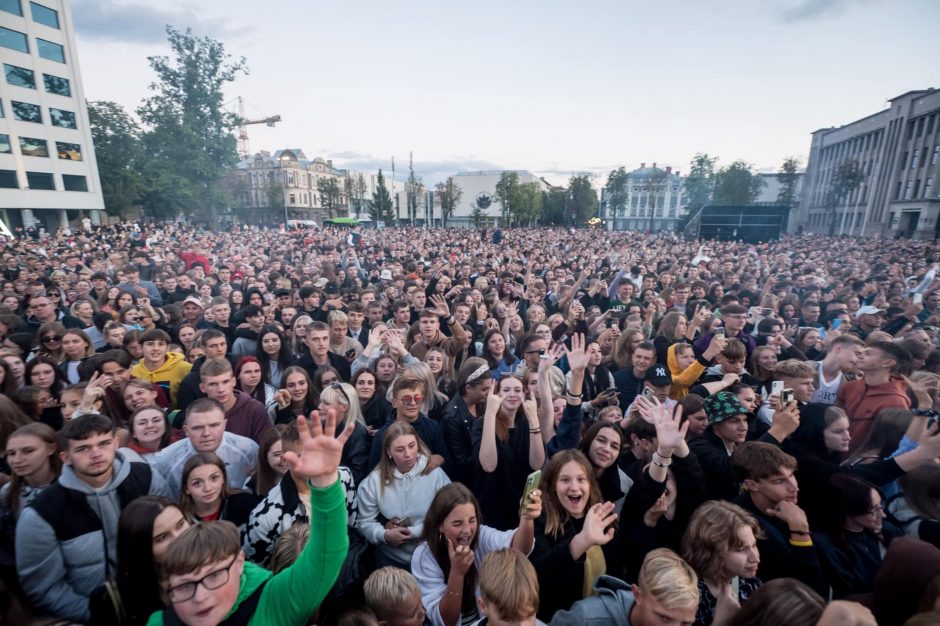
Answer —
(682, 380)
(169, 375)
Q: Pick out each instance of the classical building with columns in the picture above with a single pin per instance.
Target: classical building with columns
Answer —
(48, 173)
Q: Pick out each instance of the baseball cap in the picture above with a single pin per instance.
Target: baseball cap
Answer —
(659, 375)
(194, 300)
(868, 310)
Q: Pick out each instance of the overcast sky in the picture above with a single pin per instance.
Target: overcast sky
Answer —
(552, 87)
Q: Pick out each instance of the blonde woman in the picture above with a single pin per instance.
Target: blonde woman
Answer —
(342, 398)
(400, 491)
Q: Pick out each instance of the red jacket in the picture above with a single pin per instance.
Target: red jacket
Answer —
(862, 402)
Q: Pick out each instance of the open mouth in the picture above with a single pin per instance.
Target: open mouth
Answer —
(574, 500)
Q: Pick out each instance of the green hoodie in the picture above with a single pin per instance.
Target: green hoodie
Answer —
(292, 596)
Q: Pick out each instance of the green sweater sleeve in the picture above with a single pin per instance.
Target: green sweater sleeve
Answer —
(292, 596)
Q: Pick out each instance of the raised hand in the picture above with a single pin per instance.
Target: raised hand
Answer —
(552, 355)
(669, 434)
(531, 409)
(597, 530)
(376, 336)
(440, 306)
(282, 398)
(493, 401)
(577, 355)
(533, 508)
(321, 451)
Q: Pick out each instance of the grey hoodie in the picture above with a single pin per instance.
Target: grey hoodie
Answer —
(610, 607)
(61, 561)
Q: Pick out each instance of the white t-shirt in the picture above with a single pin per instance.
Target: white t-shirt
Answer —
(826, 390)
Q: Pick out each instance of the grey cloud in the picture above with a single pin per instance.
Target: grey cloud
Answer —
(809, 10)
(430, 172)
(109, 20)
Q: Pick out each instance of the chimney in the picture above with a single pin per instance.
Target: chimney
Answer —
(677, 173)
(654, 165)
(642, 165)
(669, 169)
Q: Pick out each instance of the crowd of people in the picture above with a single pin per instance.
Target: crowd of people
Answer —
(451, 427)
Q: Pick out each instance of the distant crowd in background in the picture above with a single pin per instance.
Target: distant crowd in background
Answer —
(451, 427)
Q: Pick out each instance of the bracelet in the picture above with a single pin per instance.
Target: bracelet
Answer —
(534, 431)
(661, 455)
(454, 593)
(662, 465)
(574, 395)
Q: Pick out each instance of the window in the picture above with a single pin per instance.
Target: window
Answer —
(26, 112)
(57, 85)
(31, 146)
(74, 183)
(927, 187)
(907, 190)
(916, 188)
(62, 119)
(1, 109)
(930, 121)
(904, 161)
(914, 159)
(11, 6)
(40, 180)
(5, 147)
(14, 40)
(936, 154)
(44, 15)
(50, 50)
(19, 76)
(8, 179)
(69, 151)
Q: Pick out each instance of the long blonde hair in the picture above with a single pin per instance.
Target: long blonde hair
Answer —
(345, 394)
(386, 467)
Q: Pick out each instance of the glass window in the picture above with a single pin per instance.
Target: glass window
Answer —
(11, 6)
(69, 151)
(40, 180)
(57, 85)
(50, 50)
(62, 119)
(26, 112)
(30, 146)
(1, 109)
(14, 40)
(74, 183)
(5, 147)
(44, 15)
(19, 76)
(8, 179)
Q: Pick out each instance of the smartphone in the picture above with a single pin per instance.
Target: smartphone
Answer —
(918, 298)
(836, 323)
(766, 312)
(720, 331)
(648, 393)
(404, 523)
(786, 396)
(776, 387)
(611, 323)
(531, 484)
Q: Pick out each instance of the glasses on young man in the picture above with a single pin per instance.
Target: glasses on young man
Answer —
(212, 580)
(52, 339)
(409, 400)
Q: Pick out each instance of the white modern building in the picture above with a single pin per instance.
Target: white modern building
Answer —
(479, 190)
(655, 200)
(48, 172)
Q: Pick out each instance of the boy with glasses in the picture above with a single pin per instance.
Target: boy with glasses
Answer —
(209, 580)
(407, 400)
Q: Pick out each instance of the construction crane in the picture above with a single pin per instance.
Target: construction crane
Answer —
(243, 148)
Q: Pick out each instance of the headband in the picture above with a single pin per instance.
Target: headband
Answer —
(477, 373)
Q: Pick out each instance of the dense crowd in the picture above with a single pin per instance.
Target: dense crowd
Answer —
(407, 426)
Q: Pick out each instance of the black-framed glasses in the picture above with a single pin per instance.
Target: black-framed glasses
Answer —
(52, 339)
(212, 580)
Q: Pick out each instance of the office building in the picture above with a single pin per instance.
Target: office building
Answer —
(655, 200)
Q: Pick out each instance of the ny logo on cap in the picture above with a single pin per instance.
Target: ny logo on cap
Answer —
(660, 372)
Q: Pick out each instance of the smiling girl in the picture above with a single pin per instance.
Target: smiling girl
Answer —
(206, 495)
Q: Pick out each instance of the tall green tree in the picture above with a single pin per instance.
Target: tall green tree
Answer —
(449, 194)
(329, 192)
(699, 183)
(789, 178)
(554, 204)
(382, 209)
(582, 199)
(414, 191)
(479, 211)
(189, 141)
(737, 184)
(526, 203)
(506, 188)
(618, 185)
(845, 180)
(118, 151)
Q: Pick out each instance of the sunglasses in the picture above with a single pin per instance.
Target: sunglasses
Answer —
(409, 400)
(52, 339)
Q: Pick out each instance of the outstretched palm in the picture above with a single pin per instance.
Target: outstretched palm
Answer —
(320, 451)
(578, 356)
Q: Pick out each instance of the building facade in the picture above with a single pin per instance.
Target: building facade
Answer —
(48, 172)
(893, 157)
(479, 190)
(285, 185)
(655, 200)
